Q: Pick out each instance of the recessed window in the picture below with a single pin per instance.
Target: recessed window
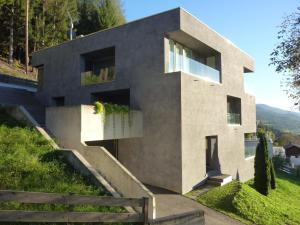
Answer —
(233, 110)
(120, 97)
(98, 66)
(251, 143)
(58, 101)
(205, 65)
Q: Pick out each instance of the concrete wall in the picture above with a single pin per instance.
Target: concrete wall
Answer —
(73, 124)
(209, 116)
(67, 125)
(112, 126)
(179, 110)
(117, 175)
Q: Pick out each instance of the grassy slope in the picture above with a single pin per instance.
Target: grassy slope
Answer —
(28, 162)
(16, 70)
(242, 202)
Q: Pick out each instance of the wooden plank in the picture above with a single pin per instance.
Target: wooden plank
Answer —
(53, 198)
(56, 217)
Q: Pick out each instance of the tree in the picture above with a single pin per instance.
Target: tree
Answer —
(88, 17)
(98, 15)
(26, 36)
(110, 14)
(262, 175)
(286, 56)
(273, 175)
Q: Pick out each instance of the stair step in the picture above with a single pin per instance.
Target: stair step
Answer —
(219, 180)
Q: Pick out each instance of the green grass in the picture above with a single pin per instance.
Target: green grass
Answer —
(29, 163)
(16, 70)
(240, 201)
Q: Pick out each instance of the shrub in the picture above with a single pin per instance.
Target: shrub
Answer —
(262, 175)
(273, 175)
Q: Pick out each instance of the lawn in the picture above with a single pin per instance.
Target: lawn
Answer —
(29, 163)
(242, 202)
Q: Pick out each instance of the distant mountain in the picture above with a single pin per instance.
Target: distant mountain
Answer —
(279, 119)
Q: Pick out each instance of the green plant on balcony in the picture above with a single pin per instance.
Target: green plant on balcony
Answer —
(105, 109)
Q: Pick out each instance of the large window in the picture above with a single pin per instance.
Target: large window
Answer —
(251, 143)
(185, 59)
(233, 110)
(98, 66)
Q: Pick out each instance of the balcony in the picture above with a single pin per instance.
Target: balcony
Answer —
(106, 74)
(197, 68)
(234, 118)
(203, 62)
(73, 124)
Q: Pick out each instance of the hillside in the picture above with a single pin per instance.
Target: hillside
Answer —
(29, 163)
(242, 202)
(16, 70)
(279, 119)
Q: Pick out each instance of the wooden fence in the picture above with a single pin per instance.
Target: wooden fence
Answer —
(71, 200)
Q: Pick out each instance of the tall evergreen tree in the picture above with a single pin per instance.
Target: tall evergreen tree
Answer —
(88, 17)
(273, 175)
(95, 15)
(110, 14)
(262, 175)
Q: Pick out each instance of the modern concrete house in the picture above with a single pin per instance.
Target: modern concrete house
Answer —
(183, 81)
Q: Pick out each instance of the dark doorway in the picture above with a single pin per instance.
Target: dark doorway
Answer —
(109, 145)
(120, 97)
(212, 158)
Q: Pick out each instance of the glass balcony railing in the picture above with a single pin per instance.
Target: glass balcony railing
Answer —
(197, 68)
(105, 75)
(233, 118)
(250, 147)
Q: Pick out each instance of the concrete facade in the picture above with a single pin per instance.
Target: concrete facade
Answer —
(179, 110)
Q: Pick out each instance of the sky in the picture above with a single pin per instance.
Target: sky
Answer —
(251, 25)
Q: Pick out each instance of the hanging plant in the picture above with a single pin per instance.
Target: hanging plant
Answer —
(106, 109)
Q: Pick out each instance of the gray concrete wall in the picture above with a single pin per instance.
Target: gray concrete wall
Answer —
(178, 112)
(204, 110)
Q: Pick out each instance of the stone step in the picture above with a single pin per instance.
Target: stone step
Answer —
(219, 180)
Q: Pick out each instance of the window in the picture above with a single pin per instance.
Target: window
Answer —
(59, 101)
(233, 110)
(120, 97)
(98, 66)
(185, 59)
(251, 143)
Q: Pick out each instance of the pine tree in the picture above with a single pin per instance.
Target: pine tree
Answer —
(98, 15)
(273, 175)
(110, 14)
(262, 175)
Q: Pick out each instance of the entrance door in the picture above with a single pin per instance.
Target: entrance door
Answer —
(212, 158)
